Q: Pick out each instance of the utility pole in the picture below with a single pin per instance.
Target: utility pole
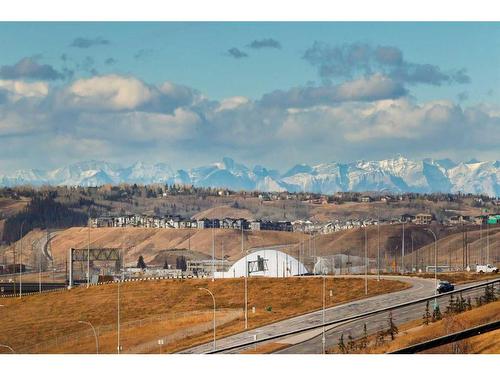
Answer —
(366, 260)
(403, 250)
(118, 348)
(88, 255)
(213, 252)
(246, 280)
(323, 338)
(222, 255)
(21, 263)
(487, 242)
(378, 247)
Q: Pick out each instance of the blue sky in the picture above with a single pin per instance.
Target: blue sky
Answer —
(455, 63)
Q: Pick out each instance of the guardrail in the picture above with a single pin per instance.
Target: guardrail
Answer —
(65, 287)
(353, 317)
(448, 339)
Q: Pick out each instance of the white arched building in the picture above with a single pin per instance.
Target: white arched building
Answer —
(267, 263)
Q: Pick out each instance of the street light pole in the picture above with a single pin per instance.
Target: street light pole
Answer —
(95, 334)
(88, 256)
(403, 251)
(435, 265)
(118, 319)
(21, 263)
(213, 299)
(366, 260)
(323, 338)
(213, 252)
(378, 247)
(246, 280)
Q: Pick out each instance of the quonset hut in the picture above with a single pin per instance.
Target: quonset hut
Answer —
(267, 263)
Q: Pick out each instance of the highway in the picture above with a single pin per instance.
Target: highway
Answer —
(314, 345)
(420, 288)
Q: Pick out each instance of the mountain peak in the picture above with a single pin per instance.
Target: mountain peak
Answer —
(398, 174)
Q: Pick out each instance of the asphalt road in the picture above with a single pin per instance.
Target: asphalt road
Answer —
(420, 288)
(374, 323)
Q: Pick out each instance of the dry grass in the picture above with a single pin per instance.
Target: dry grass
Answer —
(39, 318)
(149, 242)
(487, 343)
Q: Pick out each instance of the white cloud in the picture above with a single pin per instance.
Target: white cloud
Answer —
(115, 117)
(232, 103)
(111, 92)
(22, 89)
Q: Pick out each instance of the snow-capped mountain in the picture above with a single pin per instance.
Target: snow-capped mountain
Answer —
(396, 175)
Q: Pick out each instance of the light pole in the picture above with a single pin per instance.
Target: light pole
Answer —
(403, 250)
(378, 247)
(118, 348)
(213, 251)
(20, 263)
(435, 264)
(8, 347)
(88, 255)
(95, 334)
(246, 280)
(213, 299)
(323, 338)
(366, 259)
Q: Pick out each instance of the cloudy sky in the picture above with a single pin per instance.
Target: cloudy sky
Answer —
(262, 93)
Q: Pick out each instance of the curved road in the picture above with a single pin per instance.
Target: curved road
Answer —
(420, 288)
(314, 345)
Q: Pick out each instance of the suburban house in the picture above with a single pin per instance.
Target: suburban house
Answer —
(423, 219)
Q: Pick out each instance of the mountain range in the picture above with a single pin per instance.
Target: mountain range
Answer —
(396, 175)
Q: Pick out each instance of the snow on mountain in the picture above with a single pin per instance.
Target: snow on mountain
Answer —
(397, 175)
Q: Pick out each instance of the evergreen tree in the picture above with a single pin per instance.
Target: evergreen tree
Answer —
(380, 337)
(364, 340)
(450, 309)
(341, 345)
(181, 263)
(141, 263)
(469, 303)
(436, 314)
(427, 315)
(461, 304)
(489, 294)
(393, 329)
(479, 301)
(350, 343)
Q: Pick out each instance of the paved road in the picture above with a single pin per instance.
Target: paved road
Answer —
(313, 344)
(420, 288)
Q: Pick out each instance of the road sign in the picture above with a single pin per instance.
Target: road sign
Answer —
(160, 342)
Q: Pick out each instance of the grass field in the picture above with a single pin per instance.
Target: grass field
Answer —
(172, 307)
(414, 332)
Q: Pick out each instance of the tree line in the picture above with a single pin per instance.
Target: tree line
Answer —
(41, 212)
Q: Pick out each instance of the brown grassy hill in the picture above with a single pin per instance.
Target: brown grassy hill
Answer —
(9, 207)
(156, 245)
(41, 318)
(450, 248)
(150, 242)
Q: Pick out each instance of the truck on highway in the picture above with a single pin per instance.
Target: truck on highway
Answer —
(486, 268)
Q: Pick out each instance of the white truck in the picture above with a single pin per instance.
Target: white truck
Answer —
(486, 269)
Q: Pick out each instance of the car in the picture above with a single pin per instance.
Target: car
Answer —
(445, 286)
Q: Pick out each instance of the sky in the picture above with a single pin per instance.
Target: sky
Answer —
(274, 94)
